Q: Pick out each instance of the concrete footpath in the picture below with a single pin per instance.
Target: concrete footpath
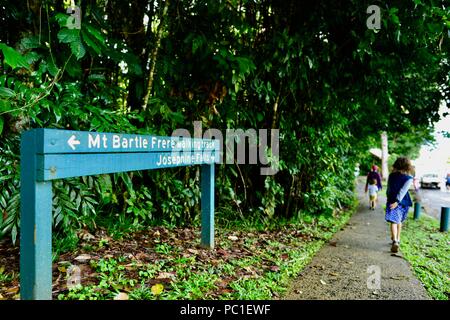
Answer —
(357, 263)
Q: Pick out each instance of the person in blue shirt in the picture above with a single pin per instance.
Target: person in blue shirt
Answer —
(447, 182)
(398, 199)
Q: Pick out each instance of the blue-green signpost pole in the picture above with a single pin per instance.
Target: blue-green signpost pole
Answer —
(445, 217)
(35, 225)
(416, 210)
(207, 204)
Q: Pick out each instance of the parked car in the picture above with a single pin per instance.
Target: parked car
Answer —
(430, 180)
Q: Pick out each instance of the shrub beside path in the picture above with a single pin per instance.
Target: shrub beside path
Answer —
(345, 266)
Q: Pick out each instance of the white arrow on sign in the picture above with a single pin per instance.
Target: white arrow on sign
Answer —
(72, 142)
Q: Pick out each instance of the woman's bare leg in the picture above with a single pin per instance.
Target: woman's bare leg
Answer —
(399, 230)
(394, 231)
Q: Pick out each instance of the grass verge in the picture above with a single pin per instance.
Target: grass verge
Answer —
(427, 250)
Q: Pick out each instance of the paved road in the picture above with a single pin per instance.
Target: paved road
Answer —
(347, 267)
(433, 200)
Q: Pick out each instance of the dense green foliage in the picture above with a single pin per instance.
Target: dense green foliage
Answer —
(311, 68)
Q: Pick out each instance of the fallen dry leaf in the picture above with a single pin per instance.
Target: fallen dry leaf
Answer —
(87, 237)
(249, 269)
(187, 255)
(142, 256)
(193, 251)
(233, 238)
(227, 290)
(222, 284)
(222, 252)
(12, 290)
(275, 268)
(132, 266)
(121, 296)
(215, 262)
(166, 275)
(83, 257)
(322, 282)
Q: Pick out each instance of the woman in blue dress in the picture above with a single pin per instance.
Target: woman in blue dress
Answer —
(398, 198)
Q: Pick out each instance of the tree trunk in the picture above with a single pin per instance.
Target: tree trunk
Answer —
(384, 156)
(154, 55)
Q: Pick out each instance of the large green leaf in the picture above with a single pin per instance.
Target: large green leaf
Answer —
(13, 58)
(30, 42)
(5, 105)
(95, 33)
(72, 36)
(78, 49)
(91, 42)
(66, 35)
(52, 68)
(6, 92)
